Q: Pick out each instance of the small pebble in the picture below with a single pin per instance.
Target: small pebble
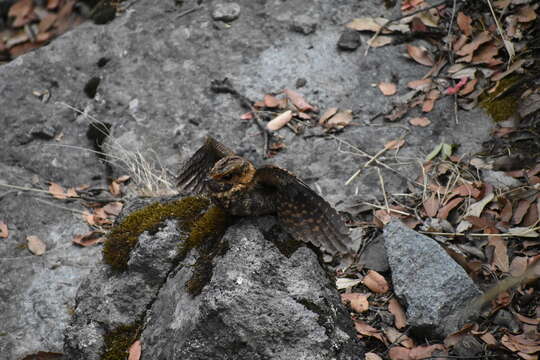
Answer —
(226, 12)
(349, 40)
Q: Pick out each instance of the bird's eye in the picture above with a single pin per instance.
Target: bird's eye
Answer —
(227, 177)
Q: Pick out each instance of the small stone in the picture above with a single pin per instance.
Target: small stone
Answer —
(46, 132)
(304, 24)
(301, 82)
(226, 12)
(349, 40)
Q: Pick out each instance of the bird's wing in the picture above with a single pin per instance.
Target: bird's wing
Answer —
(303, 213)
(194, 172)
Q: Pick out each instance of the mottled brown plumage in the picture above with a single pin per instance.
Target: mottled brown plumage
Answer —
(233, 183)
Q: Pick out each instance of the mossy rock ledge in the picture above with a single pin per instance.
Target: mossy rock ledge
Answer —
(246, 291)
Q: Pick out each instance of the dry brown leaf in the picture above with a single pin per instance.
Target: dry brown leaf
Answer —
(488, 338)
(380, 41)
(451, 205)
(425, 351)
(89, 239)
(500, 254)
(527, 320)
(372, 356)
(279, 121)
(400, 319)
(525, 14)
(419, 121)
(387, 89)
(53, 4)
(271, 101)
(422, 85)
(532, 216)
(36, 245)
(477, 208)
(375, 24)
(475, 43)
(57, 191)
(368, 330)
(458, 44)
(375, 282)
(464, 23)
(123, 179)
(396, 337)
(101, 217)
(358, 302)
(394, 144)
(420, 55)
(431, 206)
(468, 88)
(339, 120)
(89, 218)
(521, 210)
(383, 216)
(486, 55)
(47, 22)
(135, 350)
(399, 353)
(4, 233)
(515, 66)
(298, 100)
(22, 12)
(328, 114)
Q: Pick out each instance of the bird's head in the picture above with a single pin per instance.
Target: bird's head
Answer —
(232, 170)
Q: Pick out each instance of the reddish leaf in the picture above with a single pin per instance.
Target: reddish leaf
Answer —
(135, 350)
(419, 121)
(506, 213)
(455, 89)
(451, 205)
(387, 88)
(478, 40)
(271, 101)
(431, 206)
(298, 100)
(489, 339)
(21, 11)
(375, 282)
(468, 88)
(368, 330)
(422, 85)
(247, 116)
(4, 233)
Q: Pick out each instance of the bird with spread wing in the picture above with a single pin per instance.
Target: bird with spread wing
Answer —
(234, 184)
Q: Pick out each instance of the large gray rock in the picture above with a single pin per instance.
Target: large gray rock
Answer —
(436, 290)
(156, 69)
(258, 303)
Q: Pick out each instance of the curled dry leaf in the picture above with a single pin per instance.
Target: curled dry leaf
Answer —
(455, 89)
(525, 14)
(500, 255)
(477, 208)
(123, 179)
(135, 351)
(279, 121)
(478, 40)
(375, 24)
(4, 233)
(396, 337)
(358, 302)
(419, 121)
(327, 115)
(387, 89)
(339, 120)
(89, 218)
(451, 205)
(36, 245)
(400, 319)
(375, 282)
(422, 85)
(380, 41)
(298, 100)
(89, 239)
(420, 55)
(488, 338)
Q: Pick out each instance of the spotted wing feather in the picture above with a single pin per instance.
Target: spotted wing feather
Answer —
(194, 172)
(303, 213)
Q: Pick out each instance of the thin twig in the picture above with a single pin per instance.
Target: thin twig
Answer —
(482, 235)
(389, 209)
(382, 151)
(381, 180)
(189, 11)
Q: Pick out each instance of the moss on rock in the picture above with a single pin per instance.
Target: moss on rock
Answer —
(123, 237)
(501, 108)
(118, 341)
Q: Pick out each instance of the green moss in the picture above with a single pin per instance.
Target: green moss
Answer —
(118, 341)
(124, 236)
(501, 108)
(205, 235)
